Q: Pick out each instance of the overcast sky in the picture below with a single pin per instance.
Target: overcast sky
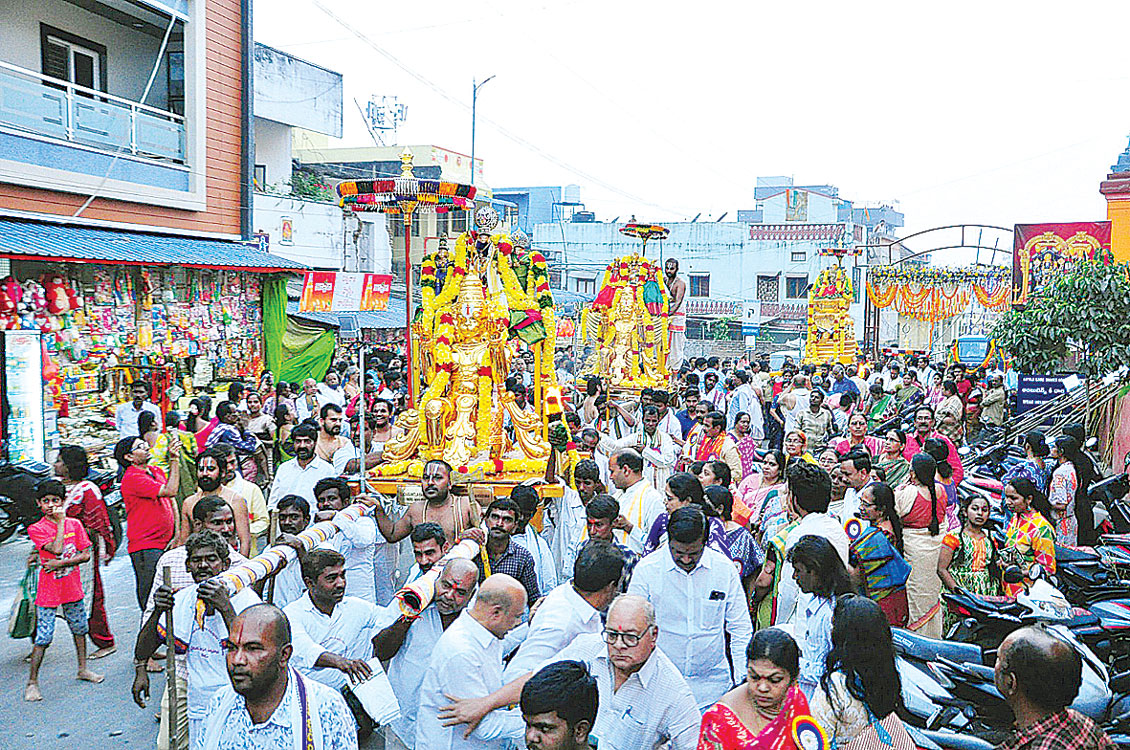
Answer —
(993, 111)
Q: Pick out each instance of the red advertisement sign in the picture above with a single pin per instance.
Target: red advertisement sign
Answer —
(329, 291)
(1042, 252)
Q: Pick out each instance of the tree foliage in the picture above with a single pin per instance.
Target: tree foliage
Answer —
(1081, 322)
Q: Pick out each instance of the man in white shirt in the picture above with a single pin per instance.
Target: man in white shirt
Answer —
(572, 608)
(203, 635)
(333, 633)
(640, 502)
(563, 521)
(655, 445)
(268, 704)
(126, 415)
(644, 701)
(467, 663)
(668, 422)
(330, 390)
(307, 403)
(810, 491)
(855, 470)
(794, 400)
(700, 605)
(366, 565)
(287, 585)
(527, 536)
(299, 475)
(408, 643)
(590, 447)
(428, 543)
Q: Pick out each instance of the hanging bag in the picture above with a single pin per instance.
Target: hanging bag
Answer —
(888, 734)
(21, 618)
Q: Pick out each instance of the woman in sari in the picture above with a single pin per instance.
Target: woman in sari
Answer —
(878, 405)
(747, 445)
(876, 553)
(84, 502)
(796, 446)
(891, 460)
(1034, 467)
(950, 414)
(763, 494)
(1061, 491)
(921, 504)
(1029, 537)
(759, 714)
(768, 580)
(935, 391)
(857, 437)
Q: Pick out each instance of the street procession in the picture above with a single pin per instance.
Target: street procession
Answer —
(314, 435)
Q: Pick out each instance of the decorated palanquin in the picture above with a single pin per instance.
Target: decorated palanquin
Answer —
(831, 332)
(475, 309)
(627, 326)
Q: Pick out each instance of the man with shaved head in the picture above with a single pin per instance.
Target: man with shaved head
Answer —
(408, 643)
(268, 704)
(1039, 676)
(467, 663)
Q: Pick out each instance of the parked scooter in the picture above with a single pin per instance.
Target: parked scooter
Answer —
(18, 506)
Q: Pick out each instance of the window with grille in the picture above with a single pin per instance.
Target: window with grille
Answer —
(72, 58)
(768, 288)
(799, 256)
(459, 222)
(796, 287)
(586, 286)
(700, 285)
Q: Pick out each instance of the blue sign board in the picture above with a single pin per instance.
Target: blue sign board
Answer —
(1036, 390)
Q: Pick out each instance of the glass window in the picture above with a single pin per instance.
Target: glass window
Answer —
(796, 287)
(586, 286)
(700, 285)
(799, 256)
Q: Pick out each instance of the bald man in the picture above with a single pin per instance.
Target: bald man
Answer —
(409, 642)
(1039, 676)
(467, 663)
(242, 714)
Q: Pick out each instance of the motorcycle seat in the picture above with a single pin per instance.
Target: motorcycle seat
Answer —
(1075, 554)
(920, 647)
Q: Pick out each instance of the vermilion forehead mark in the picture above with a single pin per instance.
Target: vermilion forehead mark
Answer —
(238, 634)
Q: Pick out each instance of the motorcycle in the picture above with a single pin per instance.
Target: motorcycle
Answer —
(18, 506)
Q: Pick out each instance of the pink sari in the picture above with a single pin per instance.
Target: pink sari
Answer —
(723, 730)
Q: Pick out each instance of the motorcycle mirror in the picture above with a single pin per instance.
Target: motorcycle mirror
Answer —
(964, 451)
(1013, 574)
(1091, 443)
(1035, 572)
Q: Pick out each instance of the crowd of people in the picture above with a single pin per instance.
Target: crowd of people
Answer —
(694, 584)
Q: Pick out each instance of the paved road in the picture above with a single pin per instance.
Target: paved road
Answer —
(77, 714)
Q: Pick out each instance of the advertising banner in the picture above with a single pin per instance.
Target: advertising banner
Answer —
(329, 291)
(1043, 251)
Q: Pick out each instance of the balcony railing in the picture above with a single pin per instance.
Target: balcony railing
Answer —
(56, 108)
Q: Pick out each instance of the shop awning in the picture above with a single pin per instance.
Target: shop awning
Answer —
(393, 317)
(33, 240)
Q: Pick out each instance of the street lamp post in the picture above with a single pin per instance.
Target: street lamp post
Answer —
(474, 102)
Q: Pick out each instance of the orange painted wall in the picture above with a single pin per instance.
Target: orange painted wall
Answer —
(222, 150)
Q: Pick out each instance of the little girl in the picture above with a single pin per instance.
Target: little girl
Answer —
(968, 559)
(820, 574)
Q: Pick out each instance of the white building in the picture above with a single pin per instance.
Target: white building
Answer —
(747, 278)
(297, 215)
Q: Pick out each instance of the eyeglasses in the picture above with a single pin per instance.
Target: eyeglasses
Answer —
(630, 640)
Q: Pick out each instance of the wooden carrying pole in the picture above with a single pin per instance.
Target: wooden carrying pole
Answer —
(171, 669)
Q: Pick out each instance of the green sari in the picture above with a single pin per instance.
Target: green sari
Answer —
(767, 607)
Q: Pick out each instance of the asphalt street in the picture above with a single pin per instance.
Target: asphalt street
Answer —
(75, 714)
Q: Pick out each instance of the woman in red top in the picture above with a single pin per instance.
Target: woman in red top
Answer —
(150, 520)
(84, 502)
(922, 506)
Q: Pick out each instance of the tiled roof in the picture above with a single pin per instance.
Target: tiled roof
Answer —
(33, 240)
(796, 231)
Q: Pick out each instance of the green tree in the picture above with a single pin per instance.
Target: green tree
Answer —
(1080, 322)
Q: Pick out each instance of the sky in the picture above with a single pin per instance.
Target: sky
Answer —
(995, 112)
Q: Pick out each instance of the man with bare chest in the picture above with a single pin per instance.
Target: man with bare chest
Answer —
(676, 313)
(455, 514)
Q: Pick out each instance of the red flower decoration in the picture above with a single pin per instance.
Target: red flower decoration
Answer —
(447, 318)
(484, 372)
(462, 470)
(497, 466)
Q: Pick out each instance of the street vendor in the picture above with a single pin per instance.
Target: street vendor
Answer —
(127, 414)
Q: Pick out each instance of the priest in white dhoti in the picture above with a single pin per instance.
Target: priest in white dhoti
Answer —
(640, 502)
(654, 445)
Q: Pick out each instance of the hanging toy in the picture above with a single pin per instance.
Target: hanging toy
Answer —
(55, 292)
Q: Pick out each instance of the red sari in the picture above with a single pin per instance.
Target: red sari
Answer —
(84, 502)
(723, 730)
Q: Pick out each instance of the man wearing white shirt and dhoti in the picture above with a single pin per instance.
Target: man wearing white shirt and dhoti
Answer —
(334, 633)
(703, 617)
(467, 663)
(267, 705)
(656, 447)
(640, 502)
(408, 642)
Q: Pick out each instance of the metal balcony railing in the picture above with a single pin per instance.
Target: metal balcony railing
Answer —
(60, 109)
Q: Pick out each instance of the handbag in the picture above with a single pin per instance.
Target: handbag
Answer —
(21, 618)
(888, 734)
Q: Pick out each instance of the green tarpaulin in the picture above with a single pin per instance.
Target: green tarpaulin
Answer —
(293, 351)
